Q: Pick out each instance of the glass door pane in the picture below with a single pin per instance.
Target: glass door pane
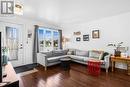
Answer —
(12, 42)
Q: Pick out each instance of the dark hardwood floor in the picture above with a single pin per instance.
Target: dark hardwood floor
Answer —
(76, 77)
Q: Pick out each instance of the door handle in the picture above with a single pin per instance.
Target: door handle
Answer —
(21, 46)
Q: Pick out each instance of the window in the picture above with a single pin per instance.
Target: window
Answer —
(56, 39)
(12, 42)
(48, 39)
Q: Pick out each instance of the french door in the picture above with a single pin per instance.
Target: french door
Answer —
(13, 41)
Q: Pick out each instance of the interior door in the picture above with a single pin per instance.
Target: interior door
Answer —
(13, 41)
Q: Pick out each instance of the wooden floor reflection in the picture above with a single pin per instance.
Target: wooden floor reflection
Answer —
(76, 77)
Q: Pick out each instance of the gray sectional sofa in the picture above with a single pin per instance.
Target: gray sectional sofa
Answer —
(51, 58)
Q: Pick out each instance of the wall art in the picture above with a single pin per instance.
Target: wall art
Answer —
(95, 34)
(86, 37)
(78, 39)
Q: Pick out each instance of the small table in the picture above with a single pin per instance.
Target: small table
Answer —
(94, 66)
(65, 63)
(122, 60)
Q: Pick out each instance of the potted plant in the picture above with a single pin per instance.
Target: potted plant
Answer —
(4, 55)
(117, 53)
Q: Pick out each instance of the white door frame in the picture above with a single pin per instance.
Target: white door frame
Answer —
(20, 60)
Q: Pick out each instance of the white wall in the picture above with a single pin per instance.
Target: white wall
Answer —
(28, 24)
(112, 29)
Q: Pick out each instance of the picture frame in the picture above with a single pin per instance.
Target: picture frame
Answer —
(78, 39)
(77, 33)
(95, 34)
(86, 37)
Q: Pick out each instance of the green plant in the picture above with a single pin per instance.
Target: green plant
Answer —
(4, 50)
(115, 45)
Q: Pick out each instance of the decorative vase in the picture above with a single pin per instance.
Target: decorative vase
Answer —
(117, 53)
(5, 60)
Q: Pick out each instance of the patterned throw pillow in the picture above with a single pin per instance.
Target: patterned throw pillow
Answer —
(71, 52)
(82, 53)
(96, 54)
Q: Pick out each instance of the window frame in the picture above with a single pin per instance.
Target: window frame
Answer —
(46, 49)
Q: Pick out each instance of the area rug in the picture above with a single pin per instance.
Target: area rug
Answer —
(27, 72)
(24, 68)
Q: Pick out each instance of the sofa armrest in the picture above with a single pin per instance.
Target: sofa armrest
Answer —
(107, 61)
(42, 59)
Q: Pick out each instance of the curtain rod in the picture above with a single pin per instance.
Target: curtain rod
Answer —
(46, 27)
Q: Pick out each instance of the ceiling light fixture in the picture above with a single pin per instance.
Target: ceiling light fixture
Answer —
(18, 9)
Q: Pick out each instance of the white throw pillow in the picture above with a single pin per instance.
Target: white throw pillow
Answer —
(96, 54)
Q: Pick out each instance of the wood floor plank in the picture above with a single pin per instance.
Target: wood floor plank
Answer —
(76, 77)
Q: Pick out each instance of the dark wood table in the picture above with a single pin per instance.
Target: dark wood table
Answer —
(65, 63)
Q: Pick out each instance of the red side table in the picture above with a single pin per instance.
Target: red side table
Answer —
(94, 67)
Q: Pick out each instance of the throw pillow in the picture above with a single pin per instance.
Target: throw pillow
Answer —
(96, 54)
(57, 53)
(48, 54)
(65, 51)
(104, 54)
(60, 52)
(71, 52)
(82, 53)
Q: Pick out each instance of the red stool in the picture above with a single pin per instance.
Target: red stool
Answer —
(94, 67)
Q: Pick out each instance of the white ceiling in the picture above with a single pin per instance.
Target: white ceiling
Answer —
(73, 11)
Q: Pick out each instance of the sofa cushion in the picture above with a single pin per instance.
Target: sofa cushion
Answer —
(53, 59)
(96, 54)
(82, 53)
(48, 54)
(65, 52)
(71, 52)
(80, 58)
(86, 59)
(59, 53)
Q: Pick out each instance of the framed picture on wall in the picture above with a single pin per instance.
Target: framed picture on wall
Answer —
(77, 33)
(78, 39)
(95, 34)
(86, 37)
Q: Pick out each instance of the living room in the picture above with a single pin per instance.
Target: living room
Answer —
(39, 37)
